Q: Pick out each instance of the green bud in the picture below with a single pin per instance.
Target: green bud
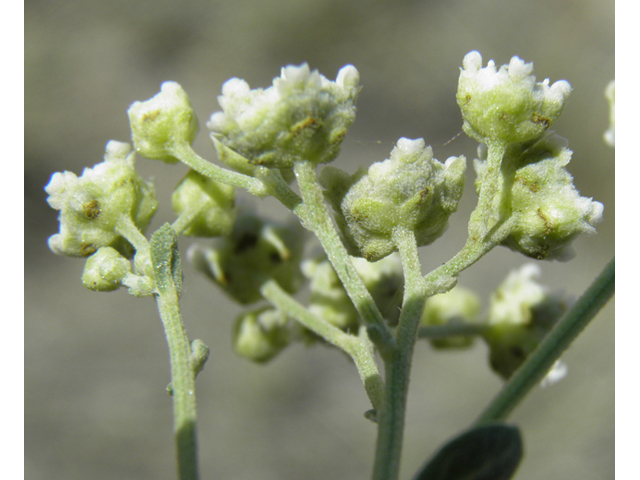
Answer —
(162, 122)
(521, 313)
(302, 116)
(255, 251)
(213, 202)
(91, 205)
(457, 306)
(261, 334)
(610, 94)
(105, 270)
(507, 105)
(547, 210)
(410, 190)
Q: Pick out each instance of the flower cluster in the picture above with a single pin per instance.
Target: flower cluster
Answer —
(302, 116)
(92, 205)
(507, 105)
(410, 190)
(548, 212)
(521, 313)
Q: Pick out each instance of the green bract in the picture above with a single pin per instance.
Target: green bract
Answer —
(521, 312)
(91, 205)
(255, 251)
(161, 122)
(261, 334)
(105, 270)
(302, 116)
(411, 190)
(456, 306)
(507, 106)
(210, 203)
(547, 210)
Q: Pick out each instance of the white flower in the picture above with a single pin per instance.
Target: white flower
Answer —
(301, 116)
(507, 105)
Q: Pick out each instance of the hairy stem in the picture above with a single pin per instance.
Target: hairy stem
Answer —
(317, 218)
(398, 366)
(357, 348)
(166, 265)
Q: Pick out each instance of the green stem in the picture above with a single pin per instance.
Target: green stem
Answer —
(357, 348)
(317, 218)
(166, 265)
(398, 366)
(553, 345)
(270, 184)
(486, 214)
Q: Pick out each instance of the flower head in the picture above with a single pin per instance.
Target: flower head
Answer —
(507, 105)
(303, 115)
(411, 189)
(162, 122)
(521, 313)
(92, 204)
(548, 212)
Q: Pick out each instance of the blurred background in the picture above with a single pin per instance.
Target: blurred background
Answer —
(96, 364)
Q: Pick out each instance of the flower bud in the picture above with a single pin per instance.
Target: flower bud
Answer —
(105, 270)
(302, 116)
(548, 212)
(261, 334)
(521, 313)
(507, 105)
(162, 122)
(410, 190)
(91, 205)
(213, 201)
(255, 251)
(457, 306)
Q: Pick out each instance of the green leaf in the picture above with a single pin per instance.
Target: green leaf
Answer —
(166, 258)
(489, 452)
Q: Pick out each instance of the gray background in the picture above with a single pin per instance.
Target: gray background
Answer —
(96, 364)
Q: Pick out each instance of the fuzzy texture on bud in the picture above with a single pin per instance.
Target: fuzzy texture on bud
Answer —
(302, 116)
(507, 105)
(255, 251)
(521, 312)
(105, 270)
(92, 204)
(212, 201)
(411, 190)
(163, 121)
(547, 210)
